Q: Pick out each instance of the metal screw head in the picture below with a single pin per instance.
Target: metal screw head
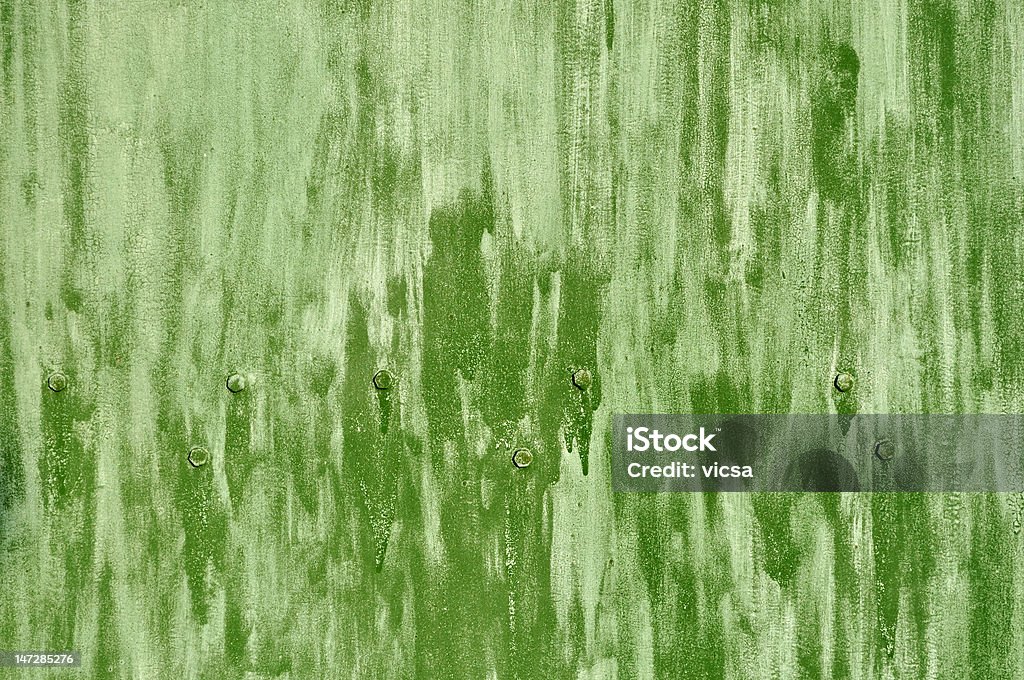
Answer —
(236, 382)
(383, 379)
(885, 450)
(57, 381)
(581, 378)
(843, 382)
(198, 456)
(522, 458)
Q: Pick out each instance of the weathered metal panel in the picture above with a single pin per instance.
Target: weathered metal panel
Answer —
(696, 207)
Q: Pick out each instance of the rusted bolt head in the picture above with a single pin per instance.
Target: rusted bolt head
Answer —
(57, 381)
(843, 382)
(885, 450)
(198, 456)
(236, 382)
(581, 378)
(383, 379)
(522, 458)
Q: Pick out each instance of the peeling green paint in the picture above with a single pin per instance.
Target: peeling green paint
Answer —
(363, 254)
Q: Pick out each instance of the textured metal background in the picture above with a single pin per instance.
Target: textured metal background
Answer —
(710, 206)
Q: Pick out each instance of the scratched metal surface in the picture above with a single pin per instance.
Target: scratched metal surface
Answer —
(710, 206)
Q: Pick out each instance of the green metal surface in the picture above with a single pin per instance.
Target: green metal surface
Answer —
(221, 221)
